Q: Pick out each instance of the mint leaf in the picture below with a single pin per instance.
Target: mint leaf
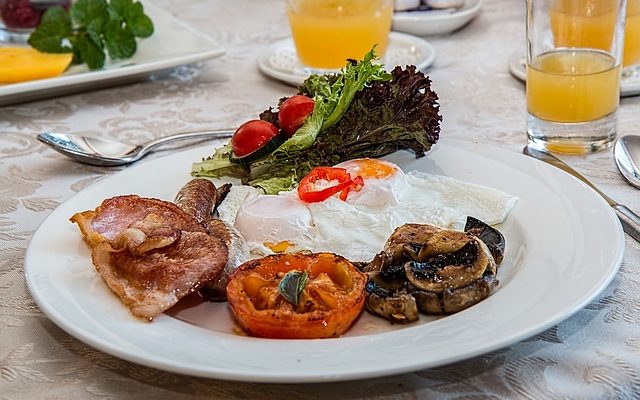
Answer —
(139, 23)
(92, 27)
(89, 52)
(85, 11)
(134, 16)
(54, 27)
(120, 7)
(94, 30)
(120, 41)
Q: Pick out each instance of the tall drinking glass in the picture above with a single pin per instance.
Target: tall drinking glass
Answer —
(631, 59)
(574, 58)
(328, 32)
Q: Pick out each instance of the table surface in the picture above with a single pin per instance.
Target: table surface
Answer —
(595, 354)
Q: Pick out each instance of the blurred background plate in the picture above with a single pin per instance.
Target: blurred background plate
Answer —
(421, 23)
(281, 62)
(173, 43)
(629, 86)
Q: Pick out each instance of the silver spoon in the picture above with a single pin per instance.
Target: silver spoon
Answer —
(630, 221)
(627, 155)
(107, 153)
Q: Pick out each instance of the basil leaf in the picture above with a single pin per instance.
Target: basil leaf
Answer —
(292, 284)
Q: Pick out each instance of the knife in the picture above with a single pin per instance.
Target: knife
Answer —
(630, 220)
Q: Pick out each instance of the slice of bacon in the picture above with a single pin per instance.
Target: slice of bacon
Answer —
(152, 283)
(150, 252)
(116, 214)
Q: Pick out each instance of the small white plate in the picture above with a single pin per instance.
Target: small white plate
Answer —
(280, 60)
(558, 258)
(173, 43)
(422, 23)
(629, 85)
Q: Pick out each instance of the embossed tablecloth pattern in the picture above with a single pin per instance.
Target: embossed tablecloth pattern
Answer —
(593, 355)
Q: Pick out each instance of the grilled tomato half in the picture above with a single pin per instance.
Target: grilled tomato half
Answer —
(297, 296)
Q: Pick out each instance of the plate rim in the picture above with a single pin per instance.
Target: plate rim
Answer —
(457, 20)
(40, 86)
(421, 16)
(292, 79)
(628, 88)
(272, 375)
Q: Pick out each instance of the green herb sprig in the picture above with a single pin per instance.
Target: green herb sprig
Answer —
(292, 284)
(92, 27)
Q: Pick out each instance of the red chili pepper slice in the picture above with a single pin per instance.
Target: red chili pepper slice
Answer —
(307, 192)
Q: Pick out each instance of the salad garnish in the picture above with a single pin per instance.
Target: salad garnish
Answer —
(361, 112)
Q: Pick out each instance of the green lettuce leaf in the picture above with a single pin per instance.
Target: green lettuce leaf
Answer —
(332, 96)
(382, 117)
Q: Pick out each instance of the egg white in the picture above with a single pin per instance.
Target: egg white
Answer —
(358, 228)
(376, 192)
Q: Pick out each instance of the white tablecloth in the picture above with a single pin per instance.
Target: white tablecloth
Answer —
(595, 354)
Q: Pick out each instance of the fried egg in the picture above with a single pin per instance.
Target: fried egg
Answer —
(278, 222)
(384, 182)
(358, 227)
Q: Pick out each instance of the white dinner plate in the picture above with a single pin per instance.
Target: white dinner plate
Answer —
(280, 60)
(173, 43)
(564, 245)
(436, 22)
(629, 85)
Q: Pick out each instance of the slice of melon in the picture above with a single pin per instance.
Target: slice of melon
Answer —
(19, 64)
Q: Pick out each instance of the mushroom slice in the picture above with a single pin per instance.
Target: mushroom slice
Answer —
(378, 263)
(407, 239)
(458, 299)
(454, 300)
(432, 270)
(489, 235)
(396, 306)
(428, 302)
(450, 270)
(411, 233)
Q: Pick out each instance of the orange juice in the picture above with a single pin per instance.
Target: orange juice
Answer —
(328, 32)
(632, 34)
(573, 86)
(583, 23)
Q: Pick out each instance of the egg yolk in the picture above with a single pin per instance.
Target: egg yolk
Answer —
(369, 168)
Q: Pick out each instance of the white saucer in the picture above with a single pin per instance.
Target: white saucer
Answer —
(280, 60)
(629, 85)
(423, 23)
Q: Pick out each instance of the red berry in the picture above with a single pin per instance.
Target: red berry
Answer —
(19, 14)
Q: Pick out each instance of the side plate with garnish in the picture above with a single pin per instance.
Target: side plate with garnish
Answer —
(173, 43)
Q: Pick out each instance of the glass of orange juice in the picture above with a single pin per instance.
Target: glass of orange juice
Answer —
(631, 58)
(328, 32)
(574, 58)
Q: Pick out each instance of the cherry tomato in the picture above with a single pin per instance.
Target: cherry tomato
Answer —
(251, 136)
(308, 193)
(293, 112)
(327, 305)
